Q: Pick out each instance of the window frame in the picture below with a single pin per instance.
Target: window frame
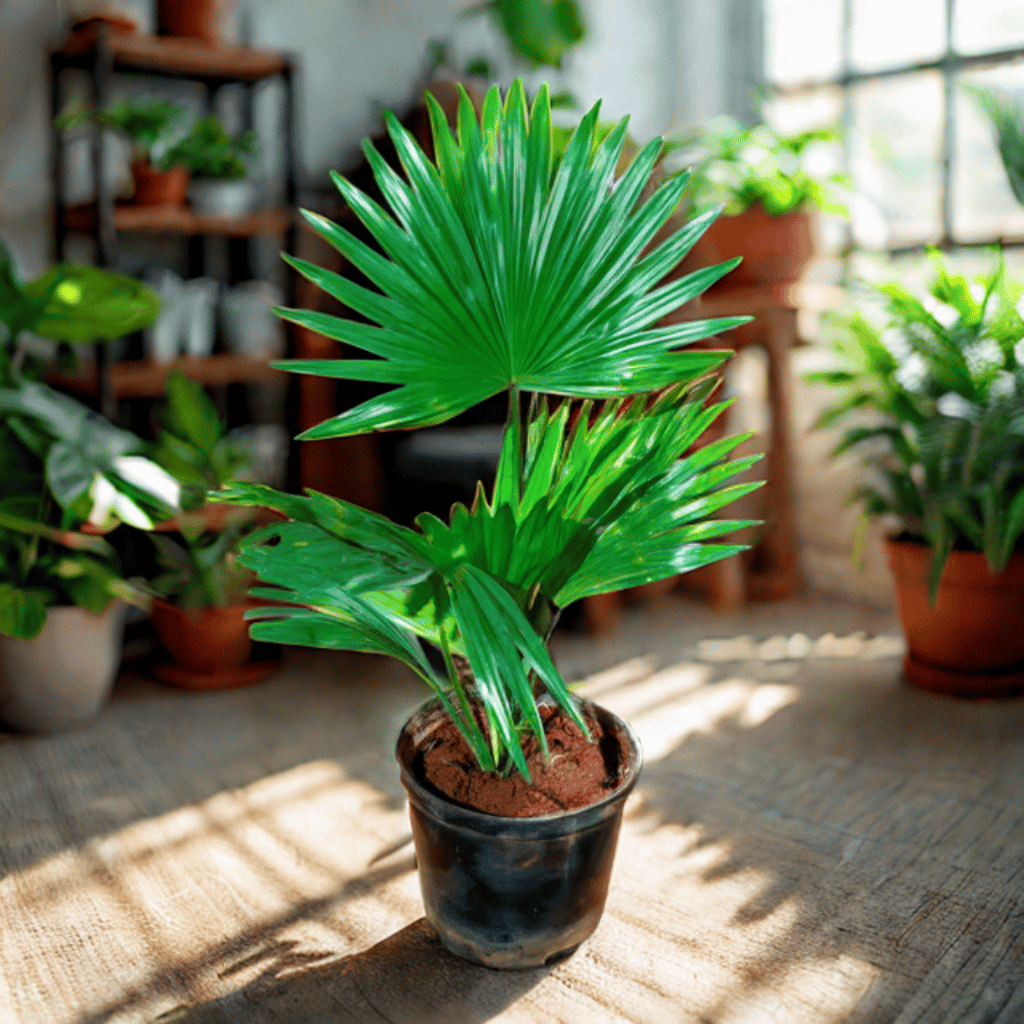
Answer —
(950, 64)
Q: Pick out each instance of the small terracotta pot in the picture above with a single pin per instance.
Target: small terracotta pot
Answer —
(212, 640)
(195, 19)
(972, 642)
(159, 188)
(775, 250)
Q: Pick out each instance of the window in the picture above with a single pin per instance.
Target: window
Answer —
(923, 157)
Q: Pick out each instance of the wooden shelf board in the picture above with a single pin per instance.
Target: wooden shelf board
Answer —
(180, 220)
(141, 378)
(172, 55)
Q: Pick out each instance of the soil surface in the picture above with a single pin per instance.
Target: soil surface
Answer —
(580, 771)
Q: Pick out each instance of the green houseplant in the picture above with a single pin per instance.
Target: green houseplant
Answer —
(199, 614)
(503, 275)
(943, 392)
(219, 163)
(765, 182)
(65, 470)
(160, 178)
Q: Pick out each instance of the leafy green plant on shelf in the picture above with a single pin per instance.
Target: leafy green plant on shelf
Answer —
(148, 124)
(208, 151)
(500, 274)
(736, 166)
(1006, 113)
(195, 446)
(942, 387)
(61, 464)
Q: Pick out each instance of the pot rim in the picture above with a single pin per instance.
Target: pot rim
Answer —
(456, 814)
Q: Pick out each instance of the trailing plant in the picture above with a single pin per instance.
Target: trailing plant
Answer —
(502, 273)
(147, 124)
(1007, 116)
(61, 464)
(735, 166)
(943, 389)
(209, 152)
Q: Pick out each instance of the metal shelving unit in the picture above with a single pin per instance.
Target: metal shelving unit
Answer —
(103, 52)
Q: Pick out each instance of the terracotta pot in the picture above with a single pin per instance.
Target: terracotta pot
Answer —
(972, 642)
(65, 674)
(775, 250)
(209, 641)
(159, 188)
(196, 19)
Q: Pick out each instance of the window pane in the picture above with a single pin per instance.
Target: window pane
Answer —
(982, 25)
(822, 108)
(888, 33)
(896, 143)
(983, 205)
(802, 40)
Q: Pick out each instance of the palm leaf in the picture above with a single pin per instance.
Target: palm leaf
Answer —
(496, 272)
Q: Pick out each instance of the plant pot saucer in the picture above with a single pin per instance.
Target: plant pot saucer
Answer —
(184, 678)
(970, 685)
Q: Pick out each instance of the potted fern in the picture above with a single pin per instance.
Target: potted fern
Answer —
(943, 391)
(503, 274)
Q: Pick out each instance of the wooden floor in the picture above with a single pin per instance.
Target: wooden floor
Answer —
(810, 842)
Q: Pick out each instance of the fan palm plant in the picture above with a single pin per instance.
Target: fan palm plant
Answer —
(501, 273)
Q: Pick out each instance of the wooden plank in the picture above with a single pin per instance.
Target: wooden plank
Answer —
(142, 378)
(181, 220)
(172, 55)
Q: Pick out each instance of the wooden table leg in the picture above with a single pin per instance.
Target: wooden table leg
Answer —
(775, 572)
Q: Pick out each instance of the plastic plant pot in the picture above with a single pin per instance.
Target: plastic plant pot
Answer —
(512, 893)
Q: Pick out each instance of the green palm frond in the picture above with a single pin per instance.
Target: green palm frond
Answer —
(501, 273)
(602, 501)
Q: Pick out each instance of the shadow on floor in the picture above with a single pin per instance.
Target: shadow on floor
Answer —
(408, 976)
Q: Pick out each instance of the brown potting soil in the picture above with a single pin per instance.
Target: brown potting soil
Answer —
(579, 771)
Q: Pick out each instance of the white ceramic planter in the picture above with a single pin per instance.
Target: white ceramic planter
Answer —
(65, 674)
(222, 197)
(250, 326)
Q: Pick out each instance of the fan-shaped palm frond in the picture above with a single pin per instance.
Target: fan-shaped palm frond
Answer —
(600, 505)
(499, 273)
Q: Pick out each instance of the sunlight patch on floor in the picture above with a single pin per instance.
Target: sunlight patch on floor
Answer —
(282, 864)
(727, 965)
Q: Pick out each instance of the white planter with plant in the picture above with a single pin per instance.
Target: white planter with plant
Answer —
(219, 164)
(64, 469)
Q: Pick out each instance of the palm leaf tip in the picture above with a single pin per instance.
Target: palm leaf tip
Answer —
(494, 267)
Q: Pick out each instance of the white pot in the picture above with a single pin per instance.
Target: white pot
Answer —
(250, 326)
(221, 197)
(65, 674)
(187, 319)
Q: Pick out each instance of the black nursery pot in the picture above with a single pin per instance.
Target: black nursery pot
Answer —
(513, 893)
